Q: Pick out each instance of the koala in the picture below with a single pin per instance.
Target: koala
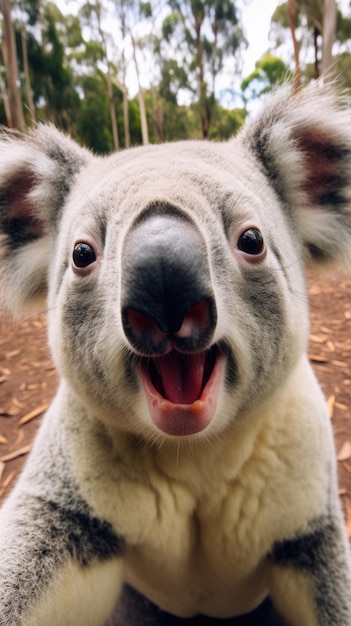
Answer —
(188, 451)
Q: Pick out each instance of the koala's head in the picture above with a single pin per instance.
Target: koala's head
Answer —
(175, 273)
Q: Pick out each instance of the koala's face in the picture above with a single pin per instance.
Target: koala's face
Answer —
(176, 296)
(175, 272)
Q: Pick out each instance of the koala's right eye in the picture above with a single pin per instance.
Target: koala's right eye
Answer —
(83, 255)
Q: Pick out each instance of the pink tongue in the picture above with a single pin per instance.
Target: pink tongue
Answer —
(182, 376)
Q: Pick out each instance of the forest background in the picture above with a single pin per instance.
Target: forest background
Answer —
(70, 64)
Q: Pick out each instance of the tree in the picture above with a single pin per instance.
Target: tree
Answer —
(87, 11)
(14, 109)
(141, 100)
(329, 30)
(54, 94)
(27, 15)
(317, 19)
(269, 71)
(291, 10)
(122, 11)
(205, 33)
(131, 14)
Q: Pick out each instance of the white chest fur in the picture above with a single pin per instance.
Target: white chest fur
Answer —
(200, 520)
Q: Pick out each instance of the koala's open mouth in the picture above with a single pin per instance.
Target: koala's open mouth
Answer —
(182, 389)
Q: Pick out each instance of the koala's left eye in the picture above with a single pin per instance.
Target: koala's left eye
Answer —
(251, 242)
(83, 255)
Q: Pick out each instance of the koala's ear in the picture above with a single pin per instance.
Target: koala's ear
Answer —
(37, 171)
(303, 143)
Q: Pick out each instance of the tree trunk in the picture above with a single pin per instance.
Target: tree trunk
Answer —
(204, 111)
(316, 71)
(5, 100)
(111, 101)
(291, 6)
(109, 86)
(28, 87)
(124, 91)
(141, 100)
(127, 141)
(10, 58)
(329, 28)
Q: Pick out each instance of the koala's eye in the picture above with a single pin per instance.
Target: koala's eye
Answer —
(251, 242)
(83, 255)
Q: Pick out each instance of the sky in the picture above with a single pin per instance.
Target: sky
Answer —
(256, 20)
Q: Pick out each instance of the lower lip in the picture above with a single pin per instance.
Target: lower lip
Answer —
(179, 420)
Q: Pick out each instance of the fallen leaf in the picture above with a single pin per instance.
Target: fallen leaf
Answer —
(3, 439)
(330, 346)
(2, 467)
(318, 338)
(8, 479)
(17, 403)
(6, 482)
(340, 363)
(9, 355)
(317, 358)
(348, 515)
(16, 454)
(330, 405)
(340, 406)
(8, 412)
(35, 413)
(314, 290)
(344, 454)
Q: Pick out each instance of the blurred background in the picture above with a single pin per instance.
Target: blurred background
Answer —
(116, 73)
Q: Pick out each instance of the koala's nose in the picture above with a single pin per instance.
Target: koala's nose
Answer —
(167, 298)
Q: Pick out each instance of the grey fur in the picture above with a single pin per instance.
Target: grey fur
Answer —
(59, 523)
(189, 443)
(313, 552)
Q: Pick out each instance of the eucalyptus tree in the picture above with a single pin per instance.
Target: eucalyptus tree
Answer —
(269, 71)
(13, 108)
(89, 11)
(26, 15)
(316, 21)
(203, 34)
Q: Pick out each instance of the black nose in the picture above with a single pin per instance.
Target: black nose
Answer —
(167, 298)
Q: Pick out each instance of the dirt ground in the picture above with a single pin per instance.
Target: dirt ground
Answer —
(28, 379)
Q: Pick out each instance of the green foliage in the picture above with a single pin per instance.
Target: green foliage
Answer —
(93, 127)
(146, 9)
(173, 79)
(191, 43)
(309, 22)
(31, 8)
(54, 93)
(269, 71)
(204, 33)
(343, 28)
(134, 122)
(73, 32)
(227, 123)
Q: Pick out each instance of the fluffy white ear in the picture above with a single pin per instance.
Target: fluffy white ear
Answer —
(303, 144)
(37, 171)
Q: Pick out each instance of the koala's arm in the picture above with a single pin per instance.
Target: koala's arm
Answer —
(59, 563)
(310, 581)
